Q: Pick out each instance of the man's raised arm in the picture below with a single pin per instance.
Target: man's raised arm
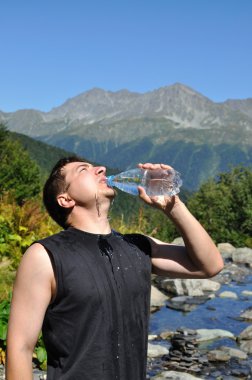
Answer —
(199, 258)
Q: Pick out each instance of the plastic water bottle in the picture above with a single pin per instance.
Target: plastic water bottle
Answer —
(154, 181)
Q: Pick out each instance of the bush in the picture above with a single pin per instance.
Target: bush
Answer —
(224, 207)
(19, 175)
(20, 226)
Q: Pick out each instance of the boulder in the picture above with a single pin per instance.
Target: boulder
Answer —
(175, 375)
(247, 293)
(166, 335)
(218, 356)
(188, 287)
(246, 345)
(157, 297)
(234, 352)
(228, 294)
(186, 303)
(226, 250)
(247, 314)
(232, 272)
(152, 337)
(178, 241)
(242, 255)
(156, 350)
(211, 334)
(246, 334)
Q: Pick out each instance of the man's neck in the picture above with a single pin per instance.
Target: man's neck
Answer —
(94, 229)
(91, 222)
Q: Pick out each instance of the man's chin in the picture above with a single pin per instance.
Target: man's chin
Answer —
(114, 194)
(110, 193)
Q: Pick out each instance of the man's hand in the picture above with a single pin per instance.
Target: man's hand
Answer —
(164, 203)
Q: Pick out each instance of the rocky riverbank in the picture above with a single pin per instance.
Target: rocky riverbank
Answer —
(201, 329)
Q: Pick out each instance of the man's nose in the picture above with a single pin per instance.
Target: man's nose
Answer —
(100, 170)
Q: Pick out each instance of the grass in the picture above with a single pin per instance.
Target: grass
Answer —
(6, 280)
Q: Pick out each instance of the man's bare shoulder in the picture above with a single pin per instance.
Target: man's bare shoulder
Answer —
(36, 252)
(36, 260)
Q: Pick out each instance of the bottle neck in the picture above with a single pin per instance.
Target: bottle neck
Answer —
(110, 180)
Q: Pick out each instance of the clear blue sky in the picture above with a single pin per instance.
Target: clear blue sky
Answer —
(52, 50)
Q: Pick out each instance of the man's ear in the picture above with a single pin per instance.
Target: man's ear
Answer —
(65, 201)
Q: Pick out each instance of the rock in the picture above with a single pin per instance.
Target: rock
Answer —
(179, 287)
(207, 285)
(183, 353)
(37, 374)
(218, 356)
(232, 272)
(246, 345)
(234, 352)
(247, 293)
(246, 334)
(211, 334)
(241, 373)
(2, 372)
(39, 377)
(178, 241)
(247, 314)
(228, 294)
(180, 303)
(157, 297)
(186, 303)
(152, 337)
(242, 255)
(175, 375)
(187, 287)
(226, 250)
(155, 350)
(166, 334)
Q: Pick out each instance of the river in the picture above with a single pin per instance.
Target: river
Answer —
(216, 313)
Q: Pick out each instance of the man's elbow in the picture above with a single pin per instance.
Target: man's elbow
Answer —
(214, 269)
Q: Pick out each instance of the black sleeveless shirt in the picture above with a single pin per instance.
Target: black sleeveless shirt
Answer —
(97, 326)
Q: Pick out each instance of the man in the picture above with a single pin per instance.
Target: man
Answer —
(88, 287)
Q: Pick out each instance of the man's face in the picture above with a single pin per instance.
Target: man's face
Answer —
(86, 182)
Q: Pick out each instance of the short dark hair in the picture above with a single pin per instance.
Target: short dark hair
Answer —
(56, 185)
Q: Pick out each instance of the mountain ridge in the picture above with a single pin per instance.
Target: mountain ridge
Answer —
(122, 128)
(178, 103)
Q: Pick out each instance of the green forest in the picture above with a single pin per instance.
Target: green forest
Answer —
(222, 204)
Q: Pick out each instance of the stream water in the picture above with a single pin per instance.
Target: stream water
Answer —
(216, 313)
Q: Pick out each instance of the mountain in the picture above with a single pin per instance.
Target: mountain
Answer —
(43, 154)
(172, 124)
(245, 105)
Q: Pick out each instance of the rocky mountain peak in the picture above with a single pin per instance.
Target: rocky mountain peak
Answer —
(242, 105)
(179, 104)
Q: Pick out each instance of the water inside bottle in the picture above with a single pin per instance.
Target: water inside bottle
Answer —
(127, 181)
(161, 182)
(155, 182)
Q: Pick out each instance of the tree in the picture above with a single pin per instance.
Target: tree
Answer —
(224, 206)
(19, 175)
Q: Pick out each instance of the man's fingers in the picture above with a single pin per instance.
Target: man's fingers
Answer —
(149, 165)
(143, 195)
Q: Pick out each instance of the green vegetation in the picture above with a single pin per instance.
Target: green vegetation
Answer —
(19, 175)
(7, 276)
(20, 226)
(4, 317)
(43, 154)
(224, 207)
